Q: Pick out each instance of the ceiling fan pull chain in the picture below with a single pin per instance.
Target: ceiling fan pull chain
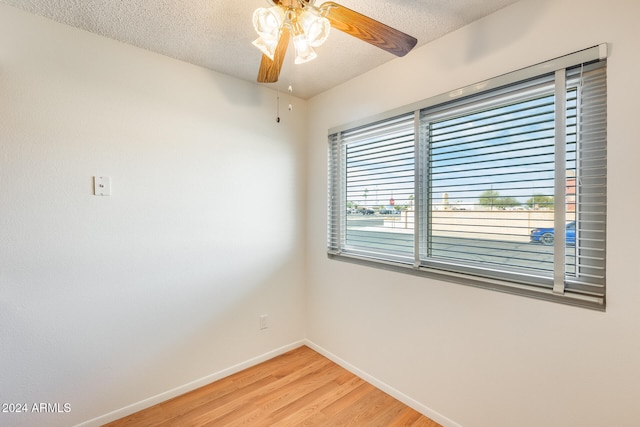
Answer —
(290, 88)
(277, 105)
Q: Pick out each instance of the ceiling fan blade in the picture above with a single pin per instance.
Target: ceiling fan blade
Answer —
(270, 70)
(368, 29)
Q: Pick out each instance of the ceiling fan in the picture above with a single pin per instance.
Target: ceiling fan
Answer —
(310, 27)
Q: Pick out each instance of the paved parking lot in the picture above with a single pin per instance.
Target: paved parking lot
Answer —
(369, 235)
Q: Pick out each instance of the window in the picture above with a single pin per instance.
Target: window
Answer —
(503, 188)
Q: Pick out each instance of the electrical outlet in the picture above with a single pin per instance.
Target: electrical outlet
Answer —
(264, 321)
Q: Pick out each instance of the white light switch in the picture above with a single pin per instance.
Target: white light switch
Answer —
(102, 185)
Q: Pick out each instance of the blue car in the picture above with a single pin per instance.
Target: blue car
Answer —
(546, 235)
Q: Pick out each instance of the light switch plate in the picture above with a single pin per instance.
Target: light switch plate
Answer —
(102, 185)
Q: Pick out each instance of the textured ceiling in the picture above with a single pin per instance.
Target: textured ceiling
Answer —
(217, 34)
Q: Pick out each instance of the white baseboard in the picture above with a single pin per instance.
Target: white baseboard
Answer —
(146, 403)
(435, 416)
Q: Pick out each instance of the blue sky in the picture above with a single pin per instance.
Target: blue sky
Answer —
(508, 149)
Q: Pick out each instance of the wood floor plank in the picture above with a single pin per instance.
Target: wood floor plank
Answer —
(364, 411)
(268, 407)
(298, 388)
(297, 408)
(425, 422)
(406, 418)
(348, 400)
(312, 413)
(246, 396)
(389, 412)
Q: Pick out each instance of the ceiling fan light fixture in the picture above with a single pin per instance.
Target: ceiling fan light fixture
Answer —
(268, 22)
(268, 48)
(315, 27)
(304, 51)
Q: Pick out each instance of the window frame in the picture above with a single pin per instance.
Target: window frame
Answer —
(559, 288)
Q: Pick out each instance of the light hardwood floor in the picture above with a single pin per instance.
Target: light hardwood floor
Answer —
(298, 388)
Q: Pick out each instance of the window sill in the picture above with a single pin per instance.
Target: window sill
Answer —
(536, 292)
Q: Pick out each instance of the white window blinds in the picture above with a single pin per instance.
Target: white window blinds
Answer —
(379, 185)
(504, 189)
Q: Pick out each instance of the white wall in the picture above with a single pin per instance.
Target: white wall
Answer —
(476, 357)
(108, 301)
(105, 302)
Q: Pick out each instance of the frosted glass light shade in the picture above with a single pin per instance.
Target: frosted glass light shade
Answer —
(304, 51)
(315, 27)
(267, 23)
(268, 48)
